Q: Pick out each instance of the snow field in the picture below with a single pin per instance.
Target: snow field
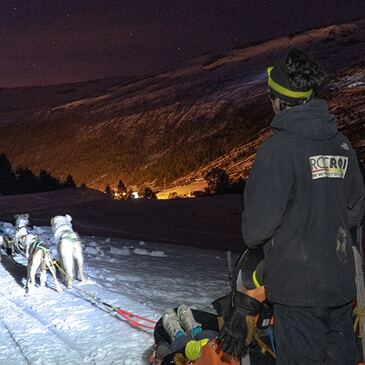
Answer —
(144, 278)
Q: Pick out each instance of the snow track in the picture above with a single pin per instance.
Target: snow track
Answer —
(48, 337)
(56, 328)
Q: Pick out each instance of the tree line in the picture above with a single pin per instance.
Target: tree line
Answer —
(122, 193)
(25, 181)
(219, 182)
(217, 179)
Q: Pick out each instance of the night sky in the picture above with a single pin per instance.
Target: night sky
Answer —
(52, 41)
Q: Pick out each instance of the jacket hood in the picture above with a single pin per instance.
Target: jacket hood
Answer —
(311, 120)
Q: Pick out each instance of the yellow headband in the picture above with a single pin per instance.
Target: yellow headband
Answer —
(284, 91)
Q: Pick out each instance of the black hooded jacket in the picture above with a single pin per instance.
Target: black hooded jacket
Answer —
(304, 192)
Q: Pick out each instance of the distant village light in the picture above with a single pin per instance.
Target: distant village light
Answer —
(135, 195)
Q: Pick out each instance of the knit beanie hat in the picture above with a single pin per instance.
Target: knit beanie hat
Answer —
(294, 77)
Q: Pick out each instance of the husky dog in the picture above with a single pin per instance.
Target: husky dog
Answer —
(6, 245)
(21, 226)
(2, 244)
(68, 247)
(35, 251)
(38, 255)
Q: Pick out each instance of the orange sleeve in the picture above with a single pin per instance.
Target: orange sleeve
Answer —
(258, 293)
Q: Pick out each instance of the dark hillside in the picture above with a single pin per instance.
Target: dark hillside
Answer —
(210, 222)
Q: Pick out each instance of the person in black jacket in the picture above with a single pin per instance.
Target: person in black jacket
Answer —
(304, 193)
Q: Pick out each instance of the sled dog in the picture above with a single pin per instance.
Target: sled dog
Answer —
(21, 226)
(68, 247)
(6, 245)
(38, 255)
(2, 244)
(35, 251)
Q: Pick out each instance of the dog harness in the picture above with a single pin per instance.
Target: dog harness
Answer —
(38, 244)
(70, 236)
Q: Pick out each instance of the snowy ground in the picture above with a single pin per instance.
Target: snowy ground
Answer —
(47, 327)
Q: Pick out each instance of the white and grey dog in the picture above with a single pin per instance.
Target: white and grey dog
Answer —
(69, 247)
(21, 226)
(36, 251)
(2, 244)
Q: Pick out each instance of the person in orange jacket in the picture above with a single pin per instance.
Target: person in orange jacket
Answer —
(182, 340)
(188, 336)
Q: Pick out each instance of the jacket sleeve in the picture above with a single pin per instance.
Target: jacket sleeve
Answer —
(267, 194)
(356, 196)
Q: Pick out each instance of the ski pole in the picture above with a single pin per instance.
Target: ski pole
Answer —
(230, 271)
(359, 244)
(359, 311)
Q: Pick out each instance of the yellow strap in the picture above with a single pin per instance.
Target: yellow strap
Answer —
(60, 268)
(255, 281)
(284, 91)
(359, 314)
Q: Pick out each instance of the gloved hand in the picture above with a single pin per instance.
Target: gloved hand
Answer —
(223, 305)
(236, 332)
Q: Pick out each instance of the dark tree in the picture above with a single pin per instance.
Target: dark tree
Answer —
(121, 190)
(149, 194)
(48, 182)
(218, 181)
(27, 181)
(237, 187)
(109, 191)
(7, 177)
(69, 182)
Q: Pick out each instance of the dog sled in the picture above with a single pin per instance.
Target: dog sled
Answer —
(261, 351)
(211, 353)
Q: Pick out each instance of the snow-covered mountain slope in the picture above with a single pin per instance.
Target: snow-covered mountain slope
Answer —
(18, 103)
(348, 103)
(346, 96)
(211, 111)
(47, 327)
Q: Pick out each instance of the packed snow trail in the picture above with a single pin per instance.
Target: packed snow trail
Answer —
(47, 327)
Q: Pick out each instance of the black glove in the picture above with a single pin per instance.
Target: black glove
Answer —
(223, 305)
(236, 332)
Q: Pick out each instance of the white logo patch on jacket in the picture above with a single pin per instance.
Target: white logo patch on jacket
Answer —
(328, 166)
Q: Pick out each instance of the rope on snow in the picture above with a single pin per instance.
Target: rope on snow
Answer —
(133, 319)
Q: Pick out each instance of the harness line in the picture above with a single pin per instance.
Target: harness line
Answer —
(129, 316)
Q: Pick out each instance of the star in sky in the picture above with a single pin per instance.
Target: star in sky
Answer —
(79, 40)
